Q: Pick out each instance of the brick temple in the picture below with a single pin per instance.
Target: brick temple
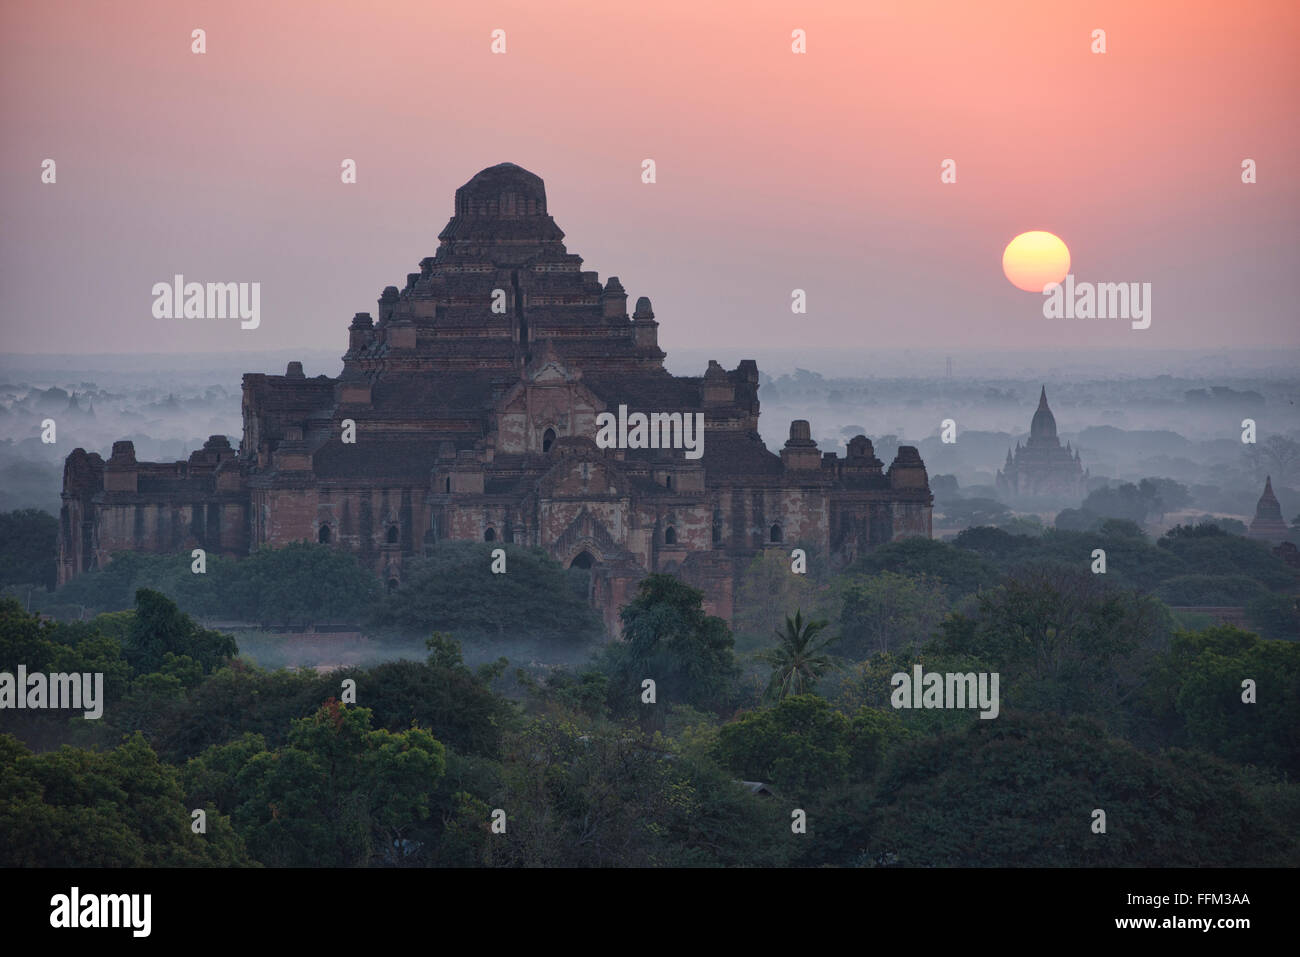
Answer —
(472, 397)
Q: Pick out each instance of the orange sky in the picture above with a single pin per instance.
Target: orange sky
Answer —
(775, 171)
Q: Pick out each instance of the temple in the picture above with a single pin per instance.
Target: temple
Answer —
(1042, 468)
(1268, 524)
(466, 409)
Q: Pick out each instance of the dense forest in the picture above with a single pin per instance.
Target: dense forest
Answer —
(507, 731)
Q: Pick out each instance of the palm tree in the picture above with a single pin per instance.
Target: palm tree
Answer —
(799, 658)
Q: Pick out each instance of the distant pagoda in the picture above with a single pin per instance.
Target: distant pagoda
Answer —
(1268, 526)
(1042, 467)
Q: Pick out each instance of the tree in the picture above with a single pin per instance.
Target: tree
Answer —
(112, 587)
(668, 637)
(1135, 503)
(1131, 561)
(960, 570)
(455, 590)
(767, 591)
(1232, 526)
(600, 797)
(29, 548)
(1276, 456)
(237, 700)
(160, 627)
(338, 794)
(42, 645)
(1203, 529)
(975, 511)
(118, 808)
(868, 685)
(944, 487)
(455, 703)
(992, 542)
(800, 745)
(1020, 792)
(799, 659)
(1022, 526)
(1275, 616)
(1077, 520)
(441, 694)
(299, 583)
(1061, 637)
(1210, 554)
(805, 746)
(1122, 528)
(24, 638)
(1194, 691)
(1123, 501)
(888, 611)
(1166, 495)
(1209, 590)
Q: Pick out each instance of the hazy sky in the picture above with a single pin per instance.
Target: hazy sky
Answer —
(775, 171)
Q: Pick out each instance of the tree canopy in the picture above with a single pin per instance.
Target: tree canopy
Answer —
(29, 548)
(668, 637)
(1021, 791)
(454, 589)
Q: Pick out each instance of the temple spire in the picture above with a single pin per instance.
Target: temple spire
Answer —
(1268, 524)
(1042, 428)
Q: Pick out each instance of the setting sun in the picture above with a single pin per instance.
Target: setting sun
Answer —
(1034, 259)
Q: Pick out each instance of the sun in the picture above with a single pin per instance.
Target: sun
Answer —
(1034, 259)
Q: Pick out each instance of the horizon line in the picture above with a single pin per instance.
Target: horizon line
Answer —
(1209, 349)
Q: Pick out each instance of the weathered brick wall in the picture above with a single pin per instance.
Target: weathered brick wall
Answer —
(292, 515)
(913, 519)
(166, 527)
(566, 407)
